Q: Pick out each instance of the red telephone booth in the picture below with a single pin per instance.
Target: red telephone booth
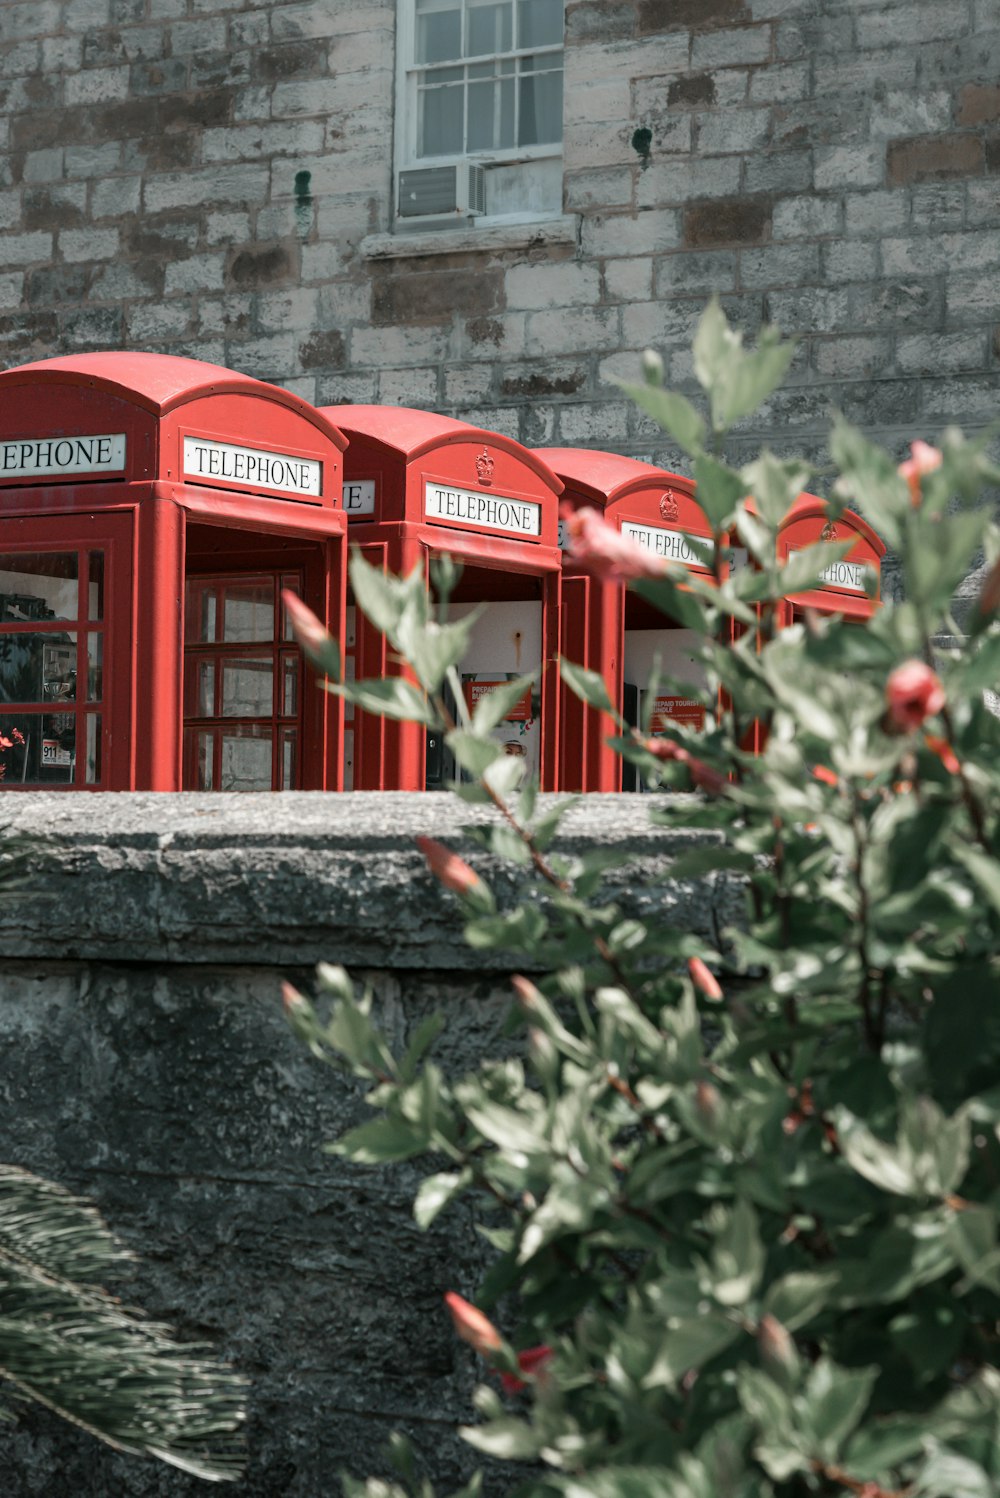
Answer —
(416, 485)
(847, 586)
(613, 631)
(151, 510)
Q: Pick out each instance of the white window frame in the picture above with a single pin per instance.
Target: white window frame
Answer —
(405, 156)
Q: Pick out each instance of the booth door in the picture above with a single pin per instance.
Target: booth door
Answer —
(242, 684)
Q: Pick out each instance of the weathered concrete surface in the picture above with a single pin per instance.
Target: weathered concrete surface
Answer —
(305, 877)
(145, 1060)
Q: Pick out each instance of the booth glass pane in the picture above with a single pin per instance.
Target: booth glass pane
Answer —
(289, 685)
(38, 585)
(37, 667)
(95, 666)
(206, 688)
(41, 748)
(92, 764)
(205, 751)
(247, 687)
(290, 583)
(248, 613)
(245, 759)
(95, 588)
(289, 759)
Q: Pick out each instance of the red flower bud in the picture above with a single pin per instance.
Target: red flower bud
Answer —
(828, 777)
(472, 1326)
(708, 1102)
(923, 459)
(527, 993)
(453, 872)
(292, 999)
(531, 1361)
(309, 631)
(703, 979)
(604, 551)
(914, 692)
(944, 752)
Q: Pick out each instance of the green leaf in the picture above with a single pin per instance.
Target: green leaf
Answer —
(472, 754)
(388, 697)
(689, 1343)
(805, 568)
(747, 381)
(380, 1141)
(719, 490)
(835, 1399)
(775, 485)
(973, 1235)
(797, 1298)
(715, 345)
(589, 686)
(737, 1257)
(436, 1192)
(493, 706)
(946, 1474)
(673, 412)
(509, 1440)
(380, 596)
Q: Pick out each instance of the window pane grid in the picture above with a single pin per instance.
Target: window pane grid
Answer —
(511, 102)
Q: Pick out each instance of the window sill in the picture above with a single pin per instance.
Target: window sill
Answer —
(524, 235)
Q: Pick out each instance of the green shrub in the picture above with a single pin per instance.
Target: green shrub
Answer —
(751, 1221)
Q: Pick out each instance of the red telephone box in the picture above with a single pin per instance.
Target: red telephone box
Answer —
(846, 586)
(615, 632)
(416, 485)
(151, 510)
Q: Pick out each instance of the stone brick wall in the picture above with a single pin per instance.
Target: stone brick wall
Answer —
(145, 1060)
(213, 177)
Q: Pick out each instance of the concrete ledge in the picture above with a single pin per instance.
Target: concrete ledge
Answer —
(527, 235)
(298, 878)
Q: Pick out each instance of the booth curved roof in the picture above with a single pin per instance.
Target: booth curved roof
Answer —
(409, 433)
(812, 504)
(160, 382)
(602, 475)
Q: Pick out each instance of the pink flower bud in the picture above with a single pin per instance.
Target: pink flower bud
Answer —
(472, 1326)
(708, 1101)
(310, 633)
(292, 999)
(913, 692)
(923, 459)
(703, 979)
(453, 872)
(531, 1361)
(827, 776)
(777, 1349)
(527, 994)
(604, 551)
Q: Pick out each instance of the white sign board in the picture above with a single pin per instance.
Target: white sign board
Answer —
(492, 512)
(359, 496)
(850, 576)
(62, 457)
(673, 545)
(226, 463)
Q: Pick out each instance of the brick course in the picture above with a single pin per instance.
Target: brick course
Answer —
(214, 177)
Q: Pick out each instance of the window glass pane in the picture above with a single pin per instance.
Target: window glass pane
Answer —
(95, 588)
(481, 124)
(488, 30)
(248, 612)
(38, 586)
(507, 87)
(539, 23)
(440, 124)
(439, 34)
(95, 666)
(37, 667)
(92, 764)
(247, 688)
(541, 108)
(245, 759)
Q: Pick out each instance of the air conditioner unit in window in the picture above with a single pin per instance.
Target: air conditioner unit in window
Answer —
(442, 191)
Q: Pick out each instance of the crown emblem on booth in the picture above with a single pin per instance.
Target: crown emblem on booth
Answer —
(484, 467)
(668, 506)
(829, 532)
